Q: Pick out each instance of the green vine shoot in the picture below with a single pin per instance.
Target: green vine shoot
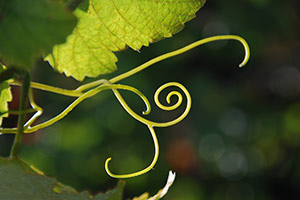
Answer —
(91, 89)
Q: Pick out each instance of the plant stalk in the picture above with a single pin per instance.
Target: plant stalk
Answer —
(21, 120)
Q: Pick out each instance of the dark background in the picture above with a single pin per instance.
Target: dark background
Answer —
(241, 139)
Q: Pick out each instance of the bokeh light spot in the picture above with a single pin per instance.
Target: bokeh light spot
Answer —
(233, 122)
(211, 147)
(233, 165)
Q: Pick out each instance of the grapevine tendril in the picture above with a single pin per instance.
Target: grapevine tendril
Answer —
(89, 90)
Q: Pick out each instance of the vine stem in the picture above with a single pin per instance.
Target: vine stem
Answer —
(101, 85)
(21, 119)
(79, 92)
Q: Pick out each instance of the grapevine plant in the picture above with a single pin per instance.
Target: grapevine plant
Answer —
(78, 38)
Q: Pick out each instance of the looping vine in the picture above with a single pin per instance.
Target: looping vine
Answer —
(159, 124)
(91, 89)
(151, 124)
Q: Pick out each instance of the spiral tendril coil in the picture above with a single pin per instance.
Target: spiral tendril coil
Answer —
(152, 124)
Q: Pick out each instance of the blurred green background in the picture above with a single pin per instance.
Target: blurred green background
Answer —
(241, 140)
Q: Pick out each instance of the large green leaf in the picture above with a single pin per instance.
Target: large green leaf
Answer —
(5, 97)
(19, 181)
(29, 28)
(111, 25)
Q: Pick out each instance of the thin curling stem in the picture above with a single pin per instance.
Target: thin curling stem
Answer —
(86, 95)
(147, 169)
(151, 124)
(160, 124)
(79, 91)
(88, 90)
(183, 50)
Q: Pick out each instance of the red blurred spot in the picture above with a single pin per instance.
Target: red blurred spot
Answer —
(181, 155)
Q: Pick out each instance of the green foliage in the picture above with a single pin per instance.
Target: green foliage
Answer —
(106, 26)
(19, 181)
(29, 28)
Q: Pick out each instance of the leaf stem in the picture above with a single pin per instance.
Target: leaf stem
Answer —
(21, 120)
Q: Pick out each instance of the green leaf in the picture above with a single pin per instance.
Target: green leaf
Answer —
(19, 181)
(30, 28)
(111, 25)
(5, 97)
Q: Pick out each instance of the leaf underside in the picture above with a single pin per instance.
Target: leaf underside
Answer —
(18, 181)
(107, 26)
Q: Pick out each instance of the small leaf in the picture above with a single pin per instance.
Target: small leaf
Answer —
(20, 181)
(111, 25)
(5, 97)
(30, 28)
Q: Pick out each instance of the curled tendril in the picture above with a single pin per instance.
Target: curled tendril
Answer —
(160, 124)
(156, 147)
(185, 49)
(151, 124)
(168, 99)
(88, 90)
